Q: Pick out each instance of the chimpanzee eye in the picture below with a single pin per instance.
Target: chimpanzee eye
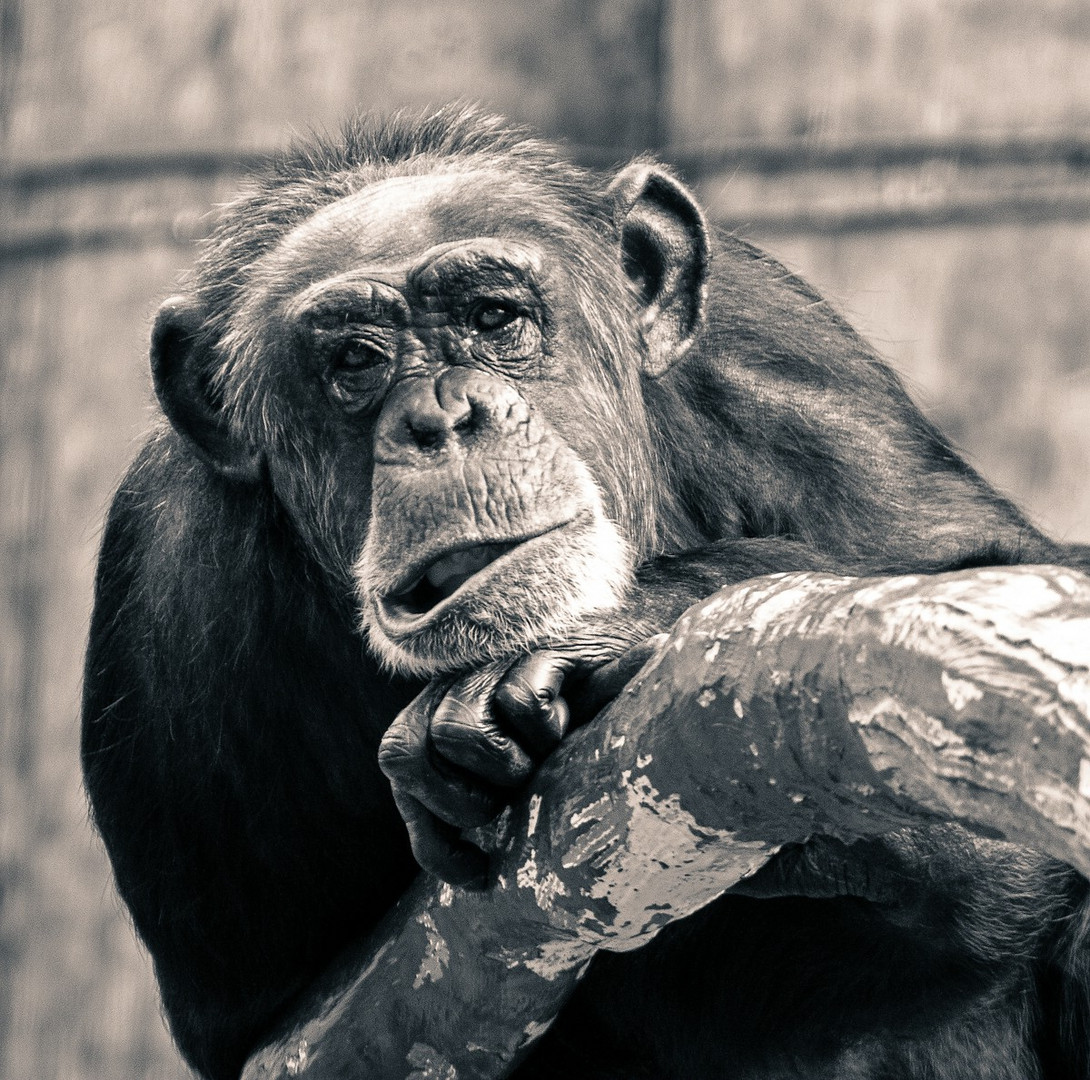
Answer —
(356, 355)
(489, 315)
(501, 330)
(357, 374)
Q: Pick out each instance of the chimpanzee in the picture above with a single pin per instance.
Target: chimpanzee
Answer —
(453, 427)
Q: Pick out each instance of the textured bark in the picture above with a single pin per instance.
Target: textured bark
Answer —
(787, 707)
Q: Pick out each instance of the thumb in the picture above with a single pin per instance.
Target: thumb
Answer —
(592, 691)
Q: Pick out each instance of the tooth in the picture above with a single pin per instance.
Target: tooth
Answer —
(461, 564)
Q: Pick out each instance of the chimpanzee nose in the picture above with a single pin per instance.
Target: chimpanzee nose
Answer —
(430, 416)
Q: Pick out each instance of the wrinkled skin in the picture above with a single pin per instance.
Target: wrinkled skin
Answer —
(455, 430)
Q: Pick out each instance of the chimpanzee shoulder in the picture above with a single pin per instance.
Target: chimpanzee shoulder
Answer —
(229, 751)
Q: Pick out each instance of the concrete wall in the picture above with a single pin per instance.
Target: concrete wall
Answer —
(926, 163)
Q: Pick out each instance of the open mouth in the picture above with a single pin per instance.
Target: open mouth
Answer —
(444, 577)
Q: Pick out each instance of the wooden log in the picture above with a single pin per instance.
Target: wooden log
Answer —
(784, 708)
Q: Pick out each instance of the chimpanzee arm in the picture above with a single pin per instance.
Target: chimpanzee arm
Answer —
(455, 755)
(230, 729)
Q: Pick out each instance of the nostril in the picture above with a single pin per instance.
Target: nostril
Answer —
(426, 438)
(425, 416)
(471, 420)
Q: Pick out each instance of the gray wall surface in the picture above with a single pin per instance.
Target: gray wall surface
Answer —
(926, 164)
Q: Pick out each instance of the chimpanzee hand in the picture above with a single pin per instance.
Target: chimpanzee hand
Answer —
(463, 748)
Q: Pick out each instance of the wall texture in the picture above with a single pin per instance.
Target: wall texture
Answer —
(926, 163)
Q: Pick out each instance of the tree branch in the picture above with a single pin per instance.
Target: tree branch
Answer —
(787, 707)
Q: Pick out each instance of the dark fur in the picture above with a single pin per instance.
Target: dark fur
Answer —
(232, 715)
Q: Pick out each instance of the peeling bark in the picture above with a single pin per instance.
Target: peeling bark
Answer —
(787, 707)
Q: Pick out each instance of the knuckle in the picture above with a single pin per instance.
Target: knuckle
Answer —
(454, 718)
(517, 693)
(397, 753)
(478, 685)
(489, 764)
(457, 799)
(452, 733)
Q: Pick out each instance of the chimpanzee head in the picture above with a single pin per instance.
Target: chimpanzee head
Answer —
(427, 341)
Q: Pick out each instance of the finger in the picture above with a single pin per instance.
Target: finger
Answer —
(464, 732)
(438, 847)
(591, 692)
(407, 759)
(527, 701)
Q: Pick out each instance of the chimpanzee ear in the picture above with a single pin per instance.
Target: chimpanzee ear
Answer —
(182, 380)
(664, 249)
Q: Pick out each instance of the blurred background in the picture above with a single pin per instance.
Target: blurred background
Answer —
(926, 163)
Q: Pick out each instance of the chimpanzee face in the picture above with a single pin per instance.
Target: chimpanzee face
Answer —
(440, 376)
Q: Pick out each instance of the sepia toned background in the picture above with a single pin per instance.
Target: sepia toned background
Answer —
(925, 162)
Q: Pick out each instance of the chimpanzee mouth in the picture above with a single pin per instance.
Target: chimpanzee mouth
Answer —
(445, 576)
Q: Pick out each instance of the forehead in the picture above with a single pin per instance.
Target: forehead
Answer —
(393, 220)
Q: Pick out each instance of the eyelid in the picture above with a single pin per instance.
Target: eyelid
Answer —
(345, 344)
(367, 334)
(368, 358)
(484, 303)
(340, 334)
(463, 294)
